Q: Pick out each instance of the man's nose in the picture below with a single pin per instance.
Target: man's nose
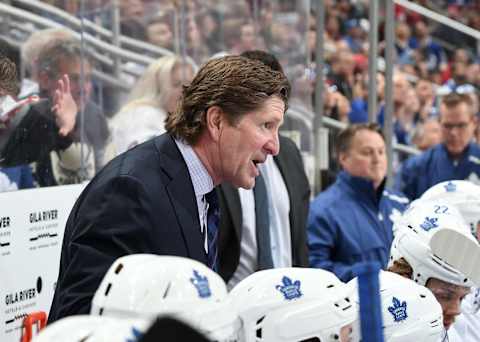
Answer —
(273, 145)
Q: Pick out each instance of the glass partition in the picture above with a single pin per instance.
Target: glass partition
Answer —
(127, 60)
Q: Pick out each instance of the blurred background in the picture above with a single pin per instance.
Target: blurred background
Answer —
(128, 59)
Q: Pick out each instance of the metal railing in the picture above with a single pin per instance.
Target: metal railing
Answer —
(98, 31)
(107, 47)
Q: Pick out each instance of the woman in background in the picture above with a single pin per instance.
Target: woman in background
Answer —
(155, 94)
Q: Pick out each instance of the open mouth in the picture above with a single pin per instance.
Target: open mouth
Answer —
(257, 161)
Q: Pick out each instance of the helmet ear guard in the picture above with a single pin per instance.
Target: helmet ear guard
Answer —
(146, 285)
(414, 233)
(459, 251)
(293, 304)
(409, 311)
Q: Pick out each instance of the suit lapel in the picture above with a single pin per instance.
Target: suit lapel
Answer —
(233, 206)
(282, 165)
(182, 197)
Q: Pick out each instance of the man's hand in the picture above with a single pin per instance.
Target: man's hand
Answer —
(64, 107)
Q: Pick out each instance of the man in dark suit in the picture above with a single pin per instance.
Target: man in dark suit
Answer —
(242, 250)
(159, 196)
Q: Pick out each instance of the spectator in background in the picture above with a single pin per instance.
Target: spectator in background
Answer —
(473, 76)
(342, 73)
(153, 97)
(359, 104)
(402, 37)
(459, 55)
(403, 115)
(210, 28)
(435, 56)
(332, 27)
(159, 30)
(196, 45)
(132, 13)
(411, 115)
(427, 134)
(286, 42)
(91, 136)
(16, 177)
(458, 157)
(351, 221)
(298, 121)
(458, 76)
(30, 128)
(30, 51)
(247, 38)
(425, 91)
(337, 106)
(356, 35)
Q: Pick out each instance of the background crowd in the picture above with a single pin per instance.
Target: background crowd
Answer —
(431, 60)
(68, 109)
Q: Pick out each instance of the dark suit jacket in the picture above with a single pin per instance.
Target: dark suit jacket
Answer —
(142, 202)
(290, 163)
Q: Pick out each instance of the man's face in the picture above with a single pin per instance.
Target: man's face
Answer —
(366, 157)
(131, 9)
(380, 87)
(458, 127)
(450, 298)
(160, 34)
(424, 90)
(400, 88)
(73, 68)
(248, 36)
(248, 142)
(432, 134)
(347, 63)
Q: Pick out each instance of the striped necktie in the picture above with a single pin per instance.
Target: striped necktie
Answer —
(213, 219)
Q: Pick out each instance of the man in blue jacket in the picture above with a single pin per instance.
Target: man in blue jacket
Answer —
(351, 221)
(458, 157)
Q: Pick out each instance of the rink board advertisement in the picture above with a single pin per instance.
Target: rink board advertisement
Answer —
(32, 224)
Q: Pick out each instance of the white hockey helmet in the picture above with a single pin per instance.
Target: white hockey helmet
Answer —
(83, 328)
(120, 330)
(413, 236)
(146, 285)
(293, 304)
(463, 194)
(409, 311)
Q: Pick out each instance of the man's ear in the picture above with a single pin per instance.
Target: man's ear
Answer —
(215, 120)
(475, 120)
(342, 156)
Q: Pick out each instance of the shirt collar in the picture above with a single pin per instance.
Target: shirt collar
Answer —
(362, 186)
(464, 154)
(201, 179)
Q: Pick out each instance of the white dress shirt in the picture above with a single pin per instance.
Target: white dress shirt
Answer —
(202, 184)
(279, 210)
